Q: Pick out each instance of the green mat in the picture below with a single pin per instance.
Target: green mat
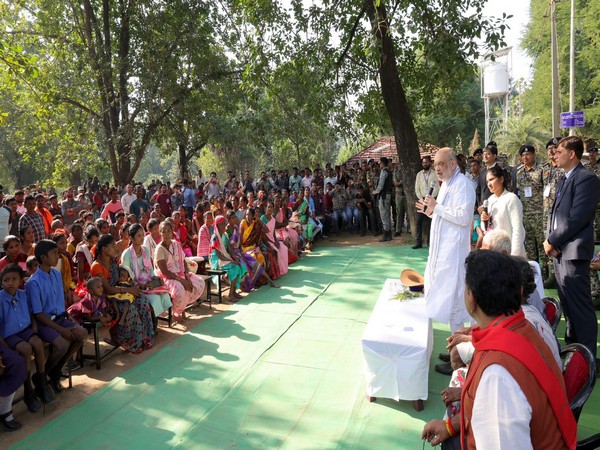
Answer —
(281, 369)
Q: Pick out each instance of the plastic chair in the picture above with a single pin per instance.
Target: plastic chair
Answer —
(553, 312)
(579, 372)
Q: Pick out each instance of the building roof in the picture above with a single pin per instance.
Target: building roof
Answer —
(386, 146)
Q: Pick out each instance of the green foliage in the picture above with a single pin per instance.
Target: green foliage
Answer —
(517, 131)
(537, 99)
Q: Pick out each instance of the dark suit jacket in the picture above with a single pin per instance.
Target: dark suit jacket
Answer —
(574, 209)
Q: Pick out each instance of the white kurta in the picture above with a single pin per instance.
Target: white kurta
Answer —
(450, 243)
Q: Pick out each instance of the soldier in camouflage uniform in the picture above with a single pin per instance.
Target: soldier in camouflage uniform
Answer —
(551, 175)
(530, 185)
(595, 283)
(595, 167)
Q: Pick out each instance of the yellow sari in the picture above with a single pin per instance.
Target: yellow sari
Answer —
(250, 241)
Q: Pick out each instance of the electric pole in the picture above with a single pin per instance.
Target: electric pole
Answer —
(556, 109)
(572, 66)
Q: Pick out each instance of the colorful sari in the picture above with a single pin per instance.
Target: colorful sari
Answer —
(175, 260)
(251, 241)
(253, 268)
(287, 234)
(277, 245)
(143, 272)
(303, 214)
(136, 334)
(218, 245)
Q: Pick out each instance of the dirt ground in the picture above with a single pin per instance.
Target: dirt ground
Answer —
(88, 380)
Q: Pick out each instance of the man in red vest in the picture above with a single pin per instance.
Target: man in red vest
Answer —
(514, 394)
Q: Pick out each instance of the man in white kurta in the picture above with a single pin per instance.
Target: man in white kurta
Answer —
(452, 215)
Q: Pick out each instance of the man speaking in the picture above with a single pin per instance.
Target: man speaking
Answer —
(451, 215)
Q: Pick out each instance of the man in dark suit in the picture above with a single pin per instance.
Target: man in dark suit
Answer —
(570, 241)
(490, 157)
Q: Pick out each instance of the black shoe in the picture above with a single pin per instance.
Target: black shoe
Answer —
(32, 402)
(55, 376)
(445, 357)
(417, 245)
(388, 236)
(398, 233)
(444, 368)
(377, 233)
(10, 424)
(41, 389)
(550, 282)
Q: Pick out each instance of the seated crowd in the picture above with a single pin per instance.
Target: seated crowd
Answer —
(125, 257)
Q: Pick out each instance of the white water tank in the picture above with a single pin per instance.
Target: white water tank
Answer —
(495, 80)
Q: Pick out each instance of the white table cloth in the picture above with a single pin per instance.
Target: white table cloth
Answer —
(397, 345)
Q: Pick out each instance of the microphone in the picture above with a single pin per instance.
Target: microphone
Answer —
(431, 188)
(485, 210)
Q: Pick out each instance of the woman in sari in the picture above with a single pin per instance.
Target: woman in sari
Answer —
(169, 262)
(221, 259)
(284, 233)
(253, 235)
(276, 244)
(83, 254)
(134, 332)
(254, 269)
(139, 259)
(302, 210)
(123, 242)
(181, 233)
(152, 238)
(27, 237)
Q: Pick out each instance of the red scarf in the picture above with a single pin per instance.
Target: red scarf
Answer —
(498, 337)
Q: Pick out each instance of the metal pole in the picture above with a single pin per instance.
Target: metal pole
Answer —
(555, 82)
(486, 103)
(572, 66)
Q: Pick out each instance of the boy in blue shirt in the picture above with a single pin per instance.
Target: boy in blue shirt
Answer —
(18, 331)
(47, 304)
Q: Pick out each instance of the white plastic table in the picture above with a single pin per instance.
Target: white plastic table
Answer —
(397, 345)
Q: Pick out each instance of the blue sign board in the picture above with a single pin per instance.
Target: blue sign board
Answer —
(572, 119)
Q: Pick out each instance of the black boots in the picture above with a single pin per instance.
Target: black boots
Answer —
(387, 236)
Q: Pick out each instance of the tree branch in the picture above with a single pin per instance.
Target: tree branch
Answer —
(81, 106)
(352, 33)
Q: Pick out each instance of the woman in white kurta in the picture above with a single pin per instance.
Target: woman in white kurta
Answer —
(449, 246)
(505, 211)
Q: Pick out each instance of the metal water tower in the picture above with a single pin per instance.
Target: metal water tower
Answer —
(494, 70)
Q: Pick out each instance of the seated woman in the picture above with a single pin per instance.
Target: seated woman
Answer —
(220, 257)
(169, 262)
(64, 267)
(181, 233)
(284, 233)
(152, 237)
(123, 242)
(277, 245)
(252, 267)
(139, 259)
(252, 234)
(136, 331)
(27, 237)
(14, 254)
(75, 238)
(84, 258)
(301, 214)
(505, 211)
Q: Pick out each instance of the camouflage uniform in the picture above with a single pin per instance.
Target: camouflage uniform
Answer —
(595, 283)
(530, 184)
(551, 176)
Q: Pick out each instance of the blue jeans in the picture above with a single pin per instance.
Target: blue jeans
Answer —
(352, 213)
(337, 214)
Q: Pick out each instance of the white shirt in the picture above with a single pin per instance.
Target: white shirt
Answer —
(506, 214)
(501, 412)
(126, 201)
(541, 325)
(4, 218)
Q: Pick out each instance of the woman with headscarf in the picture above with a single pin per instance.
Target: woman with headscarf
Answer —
(220, 258)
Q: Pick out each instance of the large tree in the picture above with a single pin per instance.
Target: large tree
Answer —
(126, 63)
(413, 51)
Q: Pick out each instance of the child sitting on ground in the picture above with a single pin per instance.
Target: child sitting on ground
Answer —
(125, 280)
(93, 305)
(18, 330)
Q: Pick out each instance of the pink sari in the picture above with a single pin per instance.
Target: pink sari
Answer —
(288, 235)
(279, 246)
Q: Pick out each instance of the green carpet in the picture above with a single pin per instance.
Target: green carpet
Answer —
(281, 369)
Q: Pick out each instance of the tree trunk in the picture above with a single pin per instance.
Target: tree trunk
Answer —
(396, 105)
(183, 159)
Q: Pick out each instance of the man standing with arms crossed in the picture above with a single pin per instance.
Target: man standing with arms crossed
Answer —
(571, 242)
(424, 180)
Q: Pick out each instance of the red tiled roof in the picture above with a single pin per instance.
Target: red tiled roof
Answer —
(386, 146)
